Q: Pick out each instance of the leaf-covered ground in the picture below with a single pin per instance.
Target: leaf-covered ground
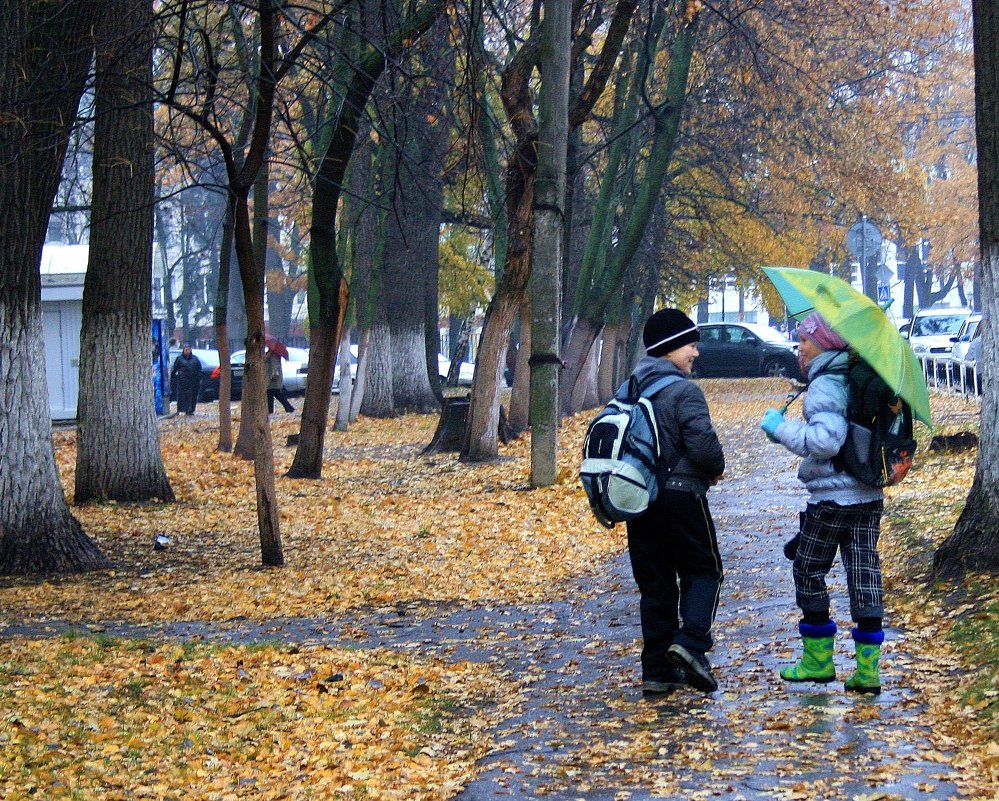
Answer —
(101, 717)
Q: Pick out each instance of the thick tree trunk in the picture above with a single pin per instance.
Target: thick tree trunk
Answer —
(482, 440)
(406, 269)
(411, 389)
(584, 334)
(43, 68)
(974, 545)
(118, 450)
(378, 397)
(584, 394)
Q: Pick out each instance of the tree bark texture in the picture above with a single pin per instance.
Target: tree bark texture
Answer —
(363, 357)
(974, 544)
(549, 245)
(345, 385)
(413, 229)
(45, 50)
(220, 312)
(377, 400)
(118, 450)
(254, 406)
(518, 105)
(519, 416)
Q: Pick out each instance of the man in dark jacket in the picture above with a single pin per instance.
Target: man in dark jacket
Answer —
(185, 380)
(673, 547)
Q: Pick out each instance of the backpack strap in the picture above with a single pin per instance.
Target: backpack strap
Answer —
(629, 391)
(650, 392)
(660, 384)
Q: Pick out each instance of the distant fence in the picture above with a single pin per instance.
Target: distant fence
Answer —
(943, 375)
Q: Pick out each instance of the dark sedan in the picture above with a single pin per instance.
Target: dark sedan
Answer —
(733, 350)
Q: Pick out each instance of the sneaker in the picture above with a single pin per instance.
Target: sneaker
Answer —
(695, 666)
(670, 682)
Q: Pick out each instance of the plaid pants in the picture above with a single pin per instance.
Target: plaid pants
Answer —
(854, 530)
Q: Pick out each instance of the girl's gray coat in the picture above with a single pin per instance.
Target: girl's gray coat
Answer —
(822, 433)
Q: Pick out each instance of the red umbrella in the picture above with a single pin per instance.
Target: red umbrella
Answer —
(276, 345)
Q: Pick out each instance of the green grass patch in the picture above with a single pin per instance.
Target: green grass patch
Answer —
(975, 635)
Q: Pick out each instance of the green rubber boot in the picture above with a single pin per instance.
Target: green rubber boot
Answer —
(866, 678)
(816, 662)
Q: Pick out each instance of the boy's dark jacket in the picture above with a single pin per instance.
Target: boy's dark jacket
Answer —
(684, 426)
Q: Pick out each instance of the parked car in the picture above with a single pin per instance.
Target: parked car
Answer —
(209, 359)
(963, 357)
(932, 330)
(466, 370)
(729, 350)
(294, 369)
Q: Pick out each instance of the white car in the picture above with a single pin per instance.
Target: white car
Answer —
(962, 358)
(294, 370)
(466, 370)
(932, 331)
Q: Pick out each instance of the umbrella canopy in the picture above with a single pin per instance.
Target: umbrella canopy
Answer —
(864, 326)
(276, 345)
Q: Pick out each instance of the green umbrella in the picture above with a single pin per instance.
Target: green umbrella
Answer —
(864, 326)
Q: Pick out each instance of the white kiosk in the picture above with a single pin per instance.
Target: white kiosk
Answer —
(63, 269)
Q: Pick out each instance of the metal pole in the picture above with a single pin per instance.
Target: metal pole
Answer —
(863, 253)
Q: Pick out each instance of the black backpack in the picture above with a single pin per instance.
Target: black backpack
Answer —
(879, 447)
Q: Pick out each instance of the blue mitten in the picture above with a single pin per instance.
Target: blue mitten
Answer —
(771, 420)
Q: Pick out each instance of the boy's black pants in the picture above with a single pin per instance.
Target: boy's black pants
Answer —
(676, 563)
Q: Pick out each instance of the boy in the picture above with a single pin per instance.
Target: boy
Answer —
(673, 547)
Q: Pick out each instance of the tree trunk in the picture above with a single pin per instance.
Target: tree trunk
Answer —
(584, 394)
(43, 70)
(483, 414)
(610, 350)
(115, 395)
(345, 385)
(974, 544)
(378, 396)
(549, 244)
(519, 417)
(254, 407)
(363, 356)
(220, 311)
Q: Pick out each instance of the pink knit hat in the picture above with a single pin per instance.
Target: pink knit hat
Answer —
(815, 328)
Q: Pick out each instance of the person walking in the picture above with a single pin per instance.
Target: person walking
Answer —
(275, 382)
(841, 514)
(185, 380)
(673, 546)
